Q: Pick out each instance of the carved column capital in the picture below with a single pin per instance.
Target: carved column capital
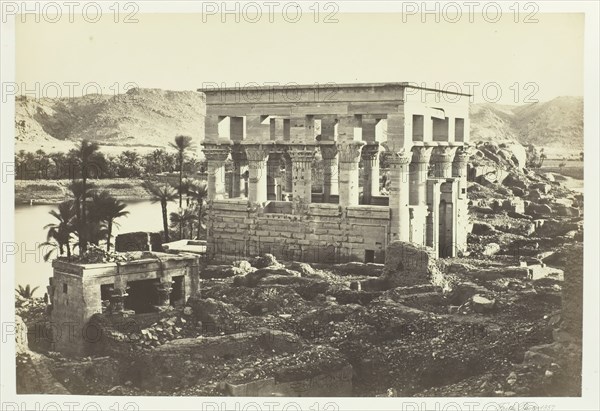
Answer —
(421, 154)
(216, 152)
(256, 152)
(371, 151)
(462, 155)
(300, 153)
(329, 151)
(443, 154)
(399, 158)
(349, 151)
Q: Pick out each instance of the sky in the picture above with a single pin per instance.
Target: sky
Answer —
(503, 62)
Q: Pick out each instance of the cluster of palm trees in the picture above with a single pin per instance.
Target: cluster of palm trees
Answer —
(88, 217)
(189, 220)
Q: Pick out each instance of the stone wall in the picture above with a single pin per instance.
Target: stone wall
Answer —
(75, 293)
(326, 233)
(138, 241)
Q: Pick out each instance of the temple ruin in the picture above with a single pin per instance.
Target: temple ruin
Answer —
(272, 202)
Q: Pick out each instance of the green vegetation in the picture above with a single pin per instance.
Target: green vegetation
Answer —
(26, 292)
(88, 217)
(40, 165)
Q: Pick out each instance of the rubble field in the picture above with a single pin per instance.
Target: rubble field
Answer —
(496, 321)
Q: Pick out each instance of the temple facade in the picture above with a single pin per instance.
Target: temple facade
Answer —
(334, 173)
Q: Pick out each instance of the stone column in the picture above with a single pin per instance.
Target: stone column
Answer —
(330, 171)
(163, 289)
(419, 168)
(459, 170)
(433, 195)
(370, 160)
(349, 156)
(216, 154)
(441, 159)
(117, 300)
(257, 155)
(273, 168)
(399, 194)
(238, 155)
(288, 173)
(302, 157)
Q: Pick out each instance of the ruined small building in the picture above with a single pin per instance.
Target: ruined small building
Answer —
(273, 135)
(151, 282)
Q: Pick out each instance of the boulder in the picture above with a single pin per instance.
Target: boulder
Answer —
(265, 260)
(462, 292)
(222, 271)
(408, 264)
(519, 192)
(244, 266)
(482, 304)
(565, 211)
(491, 249)
(303, 268)
(514, 180)
(482, 228)
(515, 205)
(253, 278)
(542, 187)
(518, 152)
(538, 210)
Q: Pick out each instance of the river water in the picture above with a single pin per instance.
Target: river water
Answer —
(29, 233)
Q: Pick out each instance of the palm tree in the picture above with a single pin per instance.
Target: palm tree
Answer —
(79, 192)
(161, 194)
(61, 232)
(26, 292)
(84, 153)
(181, 144)
(183, 218)
(105, 208)
(199, 192)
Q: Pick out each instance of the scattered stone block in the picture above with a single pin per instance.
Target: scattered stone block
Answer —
(482, 304)
(491, 249)
(408, 264)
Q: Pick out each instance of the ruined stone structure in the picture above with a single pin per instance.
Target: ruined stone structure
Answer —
(274, 134)
(153, 282)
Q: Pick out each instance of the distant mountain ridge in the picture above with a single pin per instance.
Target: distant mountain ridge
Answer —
(557, 123)
(150, 118)
(139, 118)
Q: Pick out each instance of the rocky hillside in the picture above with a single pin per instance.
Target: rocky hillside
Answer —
(555, 124)
(152, 117)
(141, 118)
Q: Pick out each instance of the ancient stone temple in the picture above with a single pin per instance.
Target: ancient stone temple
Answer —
(334, 173)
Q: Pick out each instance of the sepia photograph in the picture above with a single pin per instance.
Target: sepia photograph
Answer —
(327, 205)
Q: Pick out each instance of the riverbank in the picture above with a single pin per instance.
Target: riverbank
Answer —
(56, 191)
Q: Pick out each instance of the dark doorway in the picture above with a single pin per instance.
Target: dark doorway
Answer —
(369, 256)
(142, 296)
(106, 291)
(445, 243)
(177, 293)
